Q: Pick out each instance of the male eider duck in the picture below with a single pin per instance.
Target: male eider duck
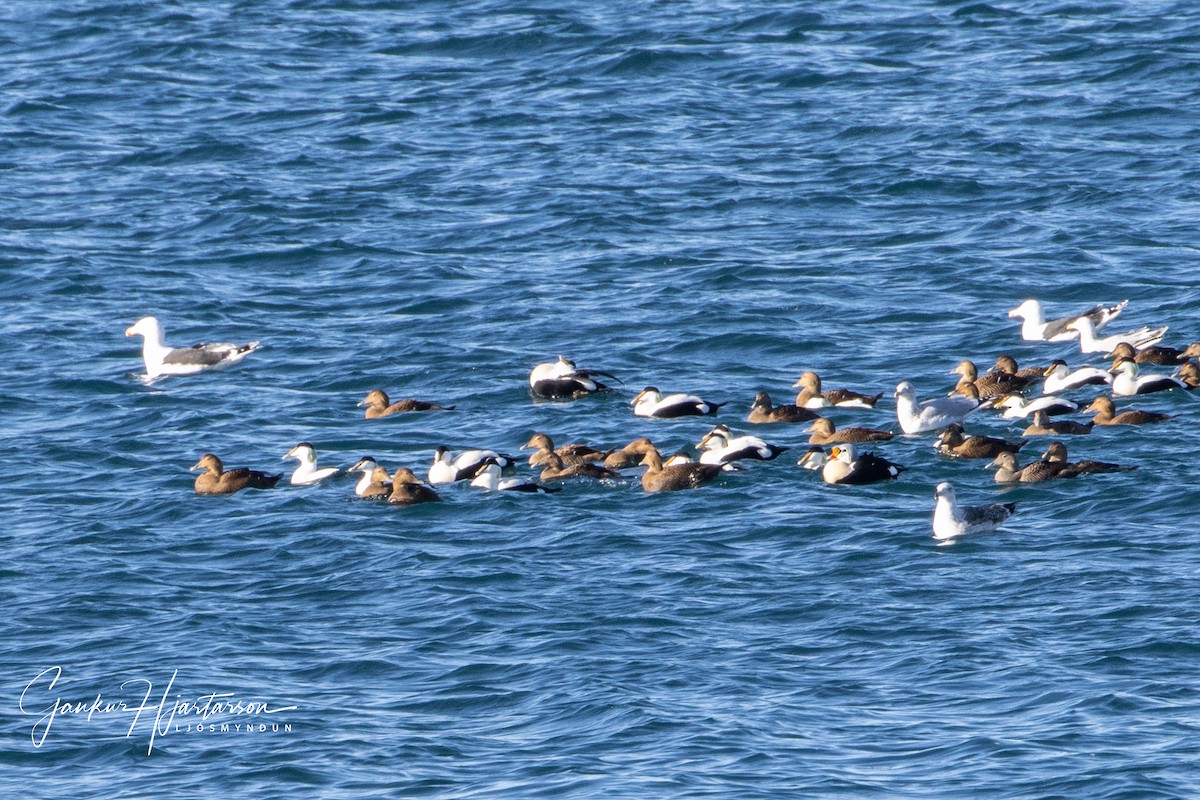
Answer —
(846, 468)
(954, 442)
(307, 473)
(377, 404)
(543, 446)
(762, 411)
(720, 446)
(650, 402)
(814, 458)
(1105, 413)
(215, 479)
(929, 415)
(951, 520)
(1156, 354)
(1060, 378)
(1056, 453)
(811, 395)
(1088, 343)
(555, 469)
(556, 380)
(1044, 426)
(1009, 471)
(408, 489)
(630, 455)
(371, 473)
(447, 468)
(1035, 328)
(1127, 382)
(1017, 407)
(163, 360)
(488, 477)
(659, 478)
(824, 432)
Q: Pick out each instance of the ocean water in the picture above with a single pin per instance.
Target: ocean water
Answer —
(711, 197)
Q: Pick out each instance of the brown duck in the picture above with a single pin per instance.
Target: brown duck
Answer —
(628, 456)
(408, 489)
(994, 384)
(544, 447)
(763, 411)
(812, 396)
(1189, 373)
(380, 486)
(1057, 454)
(658, 478)
(378, 405)
(1009, 471)
(1007, 365)
(1044, 426)
(558, 470)
(954, 442)
(1155, 354)
(215, 479)
(1105, 412)
(824, 432)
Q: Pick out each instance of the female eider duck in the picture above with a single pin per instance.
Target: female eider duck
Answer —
(1008, 470)
(1056, 453)
(630, 455)
(1127, 382)
(659, 478)
(1156, 354)
(556, 380)
(163, 360)
(408, 489)
(1007, 365)
(543, 447)
(762, 411)
(1017, 407)
(846, 468)
(955, 443)
(950, 520)
(811, 395)
(447, 468)
(1105, 413)
(1035, 328)
(720, 446)
(488, 477)
(1044, 426)
(1088, 343)
(375, 483)
(1060, 377)
(929, 415)
(650, 402)
(215, 479)
(555, 469)
(824, 432)
(377, 404)
(307, 473)
(1189, 373)
(993, 384)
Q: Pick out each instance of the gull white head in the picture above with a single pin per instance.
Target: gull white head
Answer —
(148, 327)
(1030, 309)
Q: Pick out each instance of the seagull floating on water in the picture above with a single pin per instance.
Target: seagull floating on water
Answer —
(951, 520)
(163, 360)
(1088, 343)
(929, 415)
(1035, 328)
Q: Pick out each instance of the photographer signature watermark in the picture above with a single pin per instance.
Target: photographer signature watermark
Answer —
(215, 712)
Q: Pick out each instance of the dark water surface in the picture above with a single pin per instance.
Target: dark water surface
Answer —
(431, 198)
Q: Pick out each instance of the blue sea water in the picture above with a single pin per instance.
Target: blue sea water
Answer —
(710, 197)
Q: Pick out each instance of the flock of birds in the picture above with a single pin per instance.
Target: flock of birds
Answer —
(1005, 388)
